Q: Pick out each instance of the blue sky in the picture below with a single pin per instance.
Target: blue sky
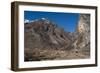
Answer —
(68, 21)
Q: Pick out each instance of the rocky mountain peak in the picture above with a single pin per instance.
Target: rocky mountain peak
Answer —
(47, 34)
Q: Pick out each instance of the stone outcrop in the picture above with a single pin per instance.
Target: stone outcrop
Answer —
(82, 41)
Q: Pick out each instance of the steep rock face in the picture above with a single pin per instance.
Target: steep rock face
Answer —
(44, 34)
(83, 29)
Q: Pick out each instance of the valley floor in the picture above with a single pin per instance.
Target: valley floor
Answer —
(51, 54)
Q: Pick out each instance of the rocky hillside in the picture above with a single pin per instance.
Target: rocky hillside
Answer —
(45, 34)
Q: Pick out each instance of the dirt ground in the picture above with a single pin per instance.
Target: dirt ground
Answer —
(51, 54)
